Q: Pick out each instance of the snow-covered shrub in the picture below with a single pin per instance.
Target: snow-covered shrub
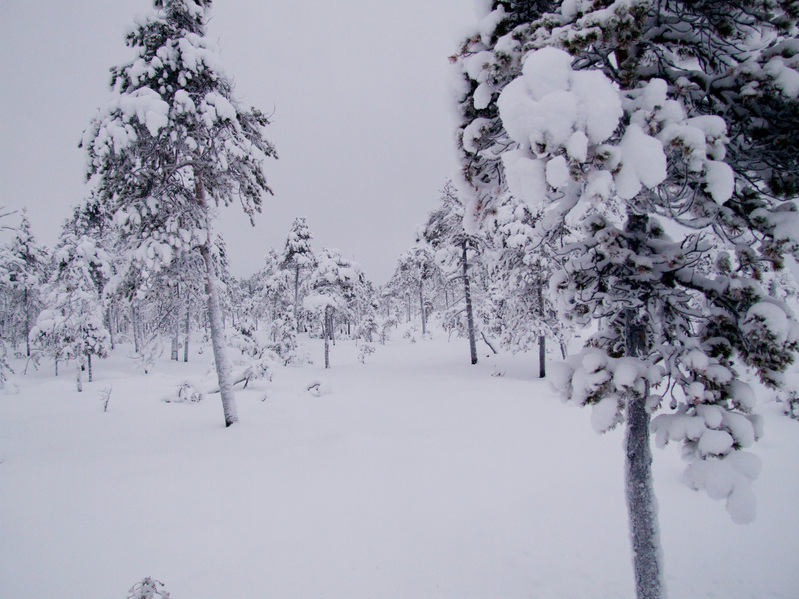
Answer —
(386, 324)
(791, 404)
(148, 588)
(366, 349)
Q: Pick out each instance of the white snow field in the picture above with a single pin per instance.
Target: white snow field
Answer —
(414, 475)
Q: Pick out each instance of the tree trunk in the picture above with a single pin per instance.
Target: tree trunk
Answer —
(89, 367)
(78, 381)
(218, 338)
(215, 316)
(175, 325)
(27, 324)
(641, 502)
(109, 324)
(542, 356)
(135, 325)
(421, 307)
(326, 335)
(297, 297)
(188, 328)
(468, 296)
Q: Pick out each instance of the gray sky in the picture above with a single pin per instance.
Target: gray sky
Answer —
(359, 90)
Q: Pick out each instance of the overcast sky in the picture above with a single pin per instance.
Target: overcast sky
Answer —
(363, 119)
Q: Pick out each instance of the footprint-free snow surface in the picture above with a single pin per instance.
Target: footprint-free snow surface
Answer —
(414, 475)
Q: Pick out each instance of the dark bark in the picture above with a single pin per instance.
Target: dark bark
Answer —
(188, 329)
(542, 356)
(421, 307)
(326, 334)
(468, 296)
(297, 297)
(641, 502)
(176, 326)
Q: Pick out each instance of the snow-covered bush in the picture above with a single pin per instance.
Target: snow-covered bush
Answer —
(148, 588)
(366, 349)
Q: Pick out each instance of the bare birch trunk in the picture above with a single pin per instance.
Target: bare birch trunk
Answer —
(89, 366)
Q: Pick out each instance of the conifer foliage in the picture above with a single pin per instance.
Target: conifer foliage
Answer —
(650, 139)
(170, 146)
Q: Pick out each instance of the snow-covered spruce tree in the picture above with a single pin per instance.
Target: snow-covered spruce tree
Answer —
(172, 145)
(298, 256)
(658, 133)
(453, 248)
(72, 326)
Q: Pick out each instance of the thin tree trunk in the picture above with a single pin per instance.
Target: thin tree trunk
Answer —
(488, 343)
(468, 296)
(176, 325)
(542, 356)
(421, 306)
(109, 324)
(89, 366)
(27, 325)
(135, 324)
(297, 297)
(326, 335)
(188, 328)
(78, 381)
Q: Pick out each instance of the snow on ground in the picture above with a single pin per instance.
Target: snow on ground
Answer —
(414, 475)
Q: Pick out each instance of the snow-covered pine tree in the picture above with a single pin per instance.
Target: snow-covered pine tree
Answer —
(334, 286)
(173, 144)
(455, 250)
(658, 133)
(297, 256)
(487, 61)
(520, 310)
(72, 326)
(23, 270)
(416, 267)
